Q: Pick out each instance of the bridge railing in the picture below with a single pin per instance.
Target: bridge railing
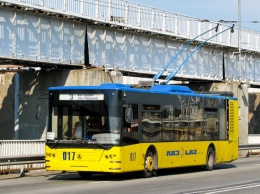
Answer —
(132, 15)
(21, 154)
(249, 147)
(21, 163)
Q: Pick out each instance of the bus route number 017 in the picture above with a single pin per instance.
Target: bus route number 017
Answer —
(68, 155)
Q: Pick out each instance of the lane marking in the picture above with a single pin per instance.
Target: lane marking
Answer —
(233, 188)
(99, 182)
(226, 189)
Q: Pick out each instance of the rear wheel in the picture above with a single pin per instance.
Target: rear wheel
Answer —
(85, 175)
(148, 164)
(210, 160)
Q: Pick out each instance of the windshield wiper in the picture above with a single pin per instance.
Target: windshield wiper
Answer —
(96, 143)
(55, 144)
(93, 142)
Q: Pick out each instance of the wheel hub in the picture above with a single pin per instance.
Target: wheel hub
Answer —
(149, 163)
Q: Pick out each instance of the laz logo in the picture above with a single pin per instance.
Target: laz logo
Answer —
(190, 152)
(173, 153)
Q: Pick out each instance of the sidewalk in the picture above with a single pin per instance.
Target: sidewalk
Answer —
(32, 173)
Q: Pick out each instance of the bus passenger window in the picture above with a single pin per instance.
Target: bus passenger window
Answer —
(211, 126)
(130, 129)
(198, 131)
(188, 132)
(133, 125)
(151, 123)
(168, 123)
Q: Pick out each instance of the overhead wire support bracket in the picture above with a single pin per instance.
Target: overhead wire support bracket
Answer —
(159, 74)
(171, 75)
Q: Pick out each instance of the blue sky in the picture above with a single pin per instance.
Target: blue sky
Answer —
(212, 10)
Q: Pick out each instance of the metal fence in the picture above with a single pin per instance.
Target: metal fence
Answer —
(249, 147)
(21, 154)
(134, 15)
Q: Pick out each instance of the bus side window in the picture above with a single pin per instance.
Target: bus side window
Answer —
(133, 125)
(151, 123)
(211, 126)
(167, 122)
(130, 130)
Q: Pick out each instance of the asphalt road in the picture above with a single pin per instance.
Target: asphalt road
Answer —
(241, 176)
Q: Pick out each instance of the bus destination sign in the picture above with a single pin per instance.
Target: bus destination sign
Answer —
(81, 97)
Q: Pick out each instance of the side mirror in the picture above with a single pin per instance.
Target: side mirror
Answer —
(128, 115)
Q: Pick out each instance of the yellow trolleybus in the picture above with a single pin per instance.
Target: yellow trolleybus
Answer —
(116, 128)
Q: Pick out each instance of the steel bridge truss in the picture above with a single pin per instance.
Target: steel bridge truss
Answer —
(116, 33)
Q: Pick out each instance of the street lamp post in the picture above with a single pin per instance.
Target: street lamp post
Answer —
(239, 40)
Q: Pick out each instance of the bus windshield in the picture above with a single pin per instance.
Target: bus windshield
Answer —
(90, 120)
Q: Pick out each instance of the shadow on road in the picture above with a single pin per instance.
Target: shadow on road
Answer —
(136, 175)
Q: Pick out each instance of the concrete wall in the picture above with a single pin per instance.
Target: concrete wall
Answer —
(32, 84)
(254, 111)
(7, 89)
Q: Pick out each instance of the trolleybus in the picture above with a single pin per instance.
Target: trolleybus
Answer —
(117, 128)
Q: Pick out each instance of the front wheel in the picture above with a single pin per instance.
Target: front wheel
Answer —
(148, 164)
(210, 160)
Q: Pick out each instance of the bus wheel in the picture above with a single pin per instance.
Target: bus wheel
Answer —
(210, 160)
(85, 175)
(148, 164)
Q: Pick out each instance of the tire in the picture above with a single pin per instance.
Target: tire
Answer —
(85, 175)
(149, 164)
(210, 160)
